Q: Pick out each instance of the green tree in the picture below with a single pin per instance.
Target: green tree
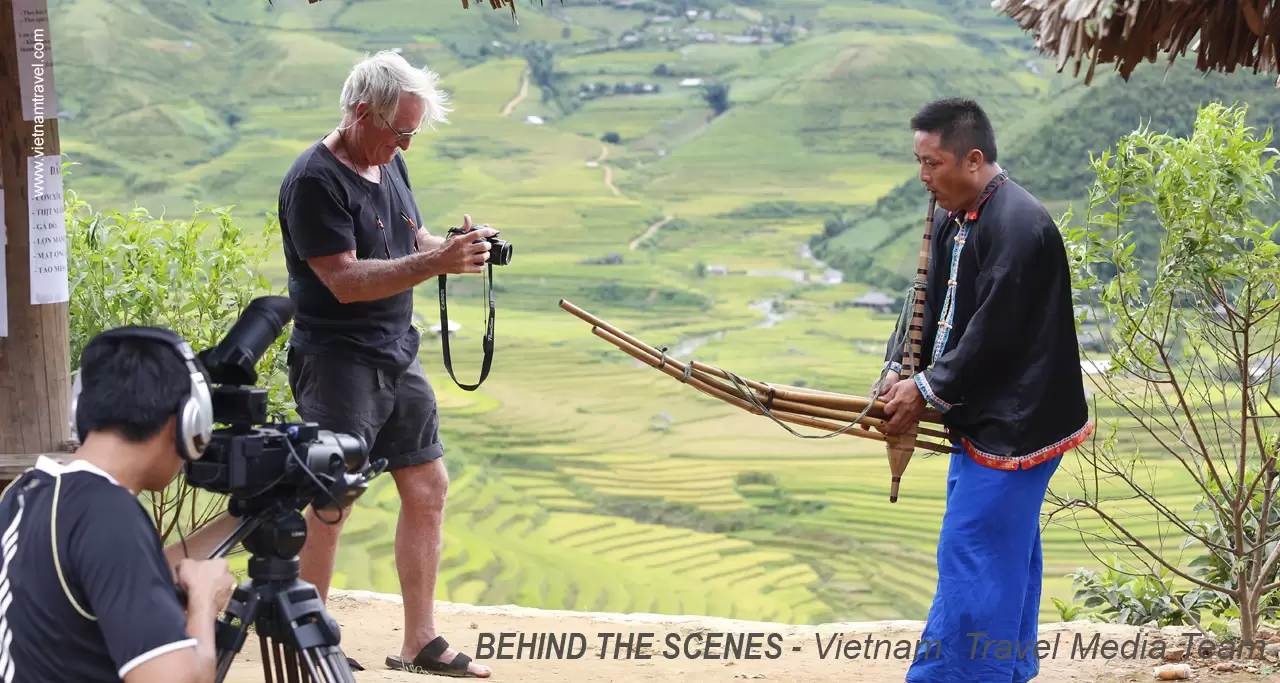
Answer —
(542, 67)
(1192, 351)
(716, 96)
(191, 275)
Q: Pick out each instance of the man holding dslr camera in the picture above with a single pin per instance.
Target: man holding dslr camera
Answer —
(355, 248)
(86, 591)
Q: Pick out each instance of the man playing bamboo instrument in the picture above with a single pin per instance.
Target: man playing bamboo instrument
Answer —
(1000, 363)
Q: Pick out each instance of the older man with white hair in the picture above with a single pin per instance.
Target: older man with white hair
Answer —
(355, 246)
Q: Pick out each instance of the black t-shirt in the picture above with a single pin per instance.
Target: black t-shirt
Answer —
(326, 208)
(114, 567)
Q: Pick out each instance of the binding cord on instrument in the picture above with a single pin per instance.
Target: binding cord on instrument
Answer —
(745, 392)
(750, 396)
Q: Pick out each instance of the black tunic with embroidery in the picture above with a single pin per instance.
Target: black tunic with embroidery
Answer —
(1000, 357)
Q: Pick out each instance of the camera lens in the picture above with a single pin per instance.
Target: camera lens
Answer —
(500, 252)
(234, 359)
(355, 453)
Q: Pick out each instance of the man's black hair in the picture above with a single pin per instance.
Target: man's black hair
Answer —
(130, 386)
(961, 123)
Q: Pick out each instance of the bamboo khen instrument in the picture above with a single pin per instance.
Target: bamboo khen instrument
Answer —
(783, 403)
(900, 447)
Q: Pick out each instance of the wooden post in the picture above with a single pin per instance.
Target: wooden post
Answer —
(35, 355)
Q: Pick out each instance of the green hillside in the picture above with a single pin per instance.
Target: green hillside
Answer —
(580, 479)
(1048, 152)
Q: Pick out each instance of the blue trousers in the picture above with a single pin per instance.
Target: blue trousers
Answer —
(983, 626)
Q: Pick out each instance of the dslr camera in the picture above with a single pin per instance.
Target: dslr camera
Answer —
(500, 251)
(270, 468)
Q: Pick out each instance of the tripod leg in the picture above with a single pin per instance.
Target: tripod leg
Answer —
(278, 655)
(233, 627)
(329, 665)
(291, 664)
(321, 664)
(311, 633)
(265, 646)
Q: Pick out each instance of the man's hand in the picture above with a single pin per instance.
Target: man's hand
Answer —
(905, 407)
(464, 253)
(886, 383)
(890, 378)
(207, 583)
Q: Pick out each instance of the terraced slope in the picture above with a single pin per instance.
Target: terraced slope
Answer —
(581, 479)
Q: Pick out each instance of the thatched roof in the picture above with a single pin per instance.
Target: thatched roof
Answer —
(466, 4)
(1224, 34)
(494, 4)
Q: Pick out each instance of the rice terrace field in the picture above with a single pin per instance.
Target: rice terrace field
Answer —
(581, 479)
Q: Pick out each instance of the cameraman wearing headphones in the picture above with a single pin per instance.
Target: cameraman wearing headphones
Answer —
(86, 591)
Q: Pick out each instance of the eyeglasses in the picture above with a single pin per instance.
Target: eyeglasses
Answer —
(399, 135)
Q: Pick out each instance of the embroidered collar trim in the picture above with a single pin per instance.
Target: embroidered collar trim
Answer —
(989, 190)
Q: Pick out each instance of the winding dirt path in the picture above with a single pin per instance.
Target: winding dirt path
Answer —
(650, 231)
(608, 171)
(524, 92)
(844, 63)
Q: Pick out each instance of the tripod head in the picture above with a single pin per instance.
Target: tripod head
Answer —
(283, 609)
(274, 534)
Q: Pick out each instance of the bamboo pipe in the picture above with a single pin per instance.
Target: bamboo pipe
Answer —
(785, 392)
(675, 369)
(720, 391)
(794, 399)
(812, 397)
(899, 448)
(773, 403)
(842, 415)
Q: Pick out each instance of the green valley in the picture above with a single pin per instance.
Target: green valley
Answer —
(1049, 154)
(668, 166)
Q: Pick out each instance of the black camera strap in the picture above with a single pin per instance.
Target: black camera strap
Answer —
(487, 343)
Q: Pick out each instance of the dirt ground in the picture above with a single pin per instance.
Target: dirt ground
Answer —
(372, 628)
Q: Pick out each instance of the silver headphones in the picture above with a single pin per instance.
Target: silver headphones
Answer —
(195, 412)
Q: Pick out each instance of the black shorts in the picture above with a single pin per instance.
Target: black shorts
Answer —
(396, 414)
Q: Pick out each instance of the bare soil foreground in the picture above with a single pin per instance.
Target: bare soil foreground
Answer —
(372, 627)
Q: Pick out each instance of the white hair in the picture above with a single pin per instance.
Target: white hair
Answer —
(380, 79)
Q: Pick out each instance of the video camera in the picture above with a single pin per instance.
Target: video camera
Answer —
(263, 465)
(271, 472)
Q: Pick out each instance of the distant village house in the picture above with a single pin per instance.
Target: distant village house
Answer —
(878, 302)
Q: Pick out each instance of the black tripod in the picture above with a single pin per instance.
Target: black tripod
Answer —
(299, 640)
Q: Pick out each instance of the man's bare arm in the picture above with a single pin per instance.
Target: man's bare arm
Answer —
(209, 586)
(427, 241)
(199, 544)
(196, 664)
(351, 279)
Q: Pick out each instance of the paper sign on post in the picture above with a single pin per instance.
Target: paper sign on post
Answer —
(48, 231)
(35, 60)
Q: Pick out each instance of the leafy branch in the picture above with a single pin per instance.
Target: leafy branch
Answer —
(194, 276)
(1189, 369)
